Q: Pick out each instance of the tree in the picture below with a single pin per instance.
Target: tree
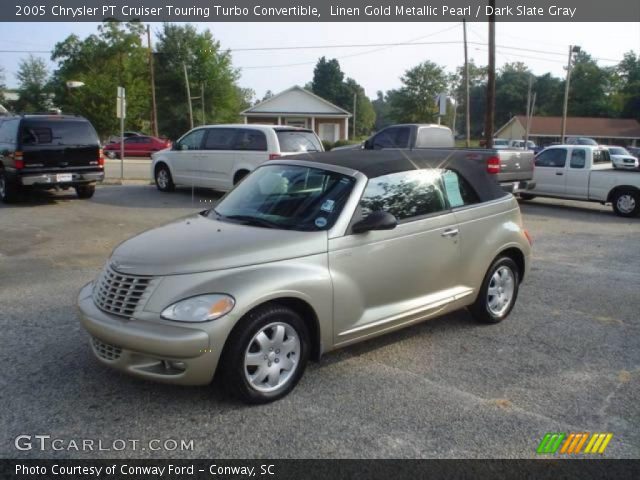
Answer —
(549, 95)
(414, 102)
(589, 87)
(33, 93)
(113, 57)
(365, 114)
(328, 81)
(381, 108)
(208, 68)
(2, 86)
(628, 85)
(512, 85)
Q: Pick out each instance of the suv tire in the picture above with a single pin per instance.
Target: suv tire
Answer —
(259, 350)
(85, 191)
(498, 292)
(8, 191)
(164, 181)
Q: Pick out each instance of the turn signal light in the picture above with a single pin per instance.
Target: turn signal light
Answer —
(100, 158)
(493, 165)
(18, 160)
(274, 156)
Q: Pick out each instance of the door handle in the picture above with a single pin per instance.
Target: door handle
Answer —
(450, 232)
(559, 173)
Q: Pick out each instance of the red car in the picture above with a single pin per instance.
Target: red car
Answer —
(140, 146)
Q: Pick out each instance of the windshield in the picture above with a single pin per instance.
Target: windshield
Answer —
(298, 141)
(500, 142)
(287, 197)
(618, 151)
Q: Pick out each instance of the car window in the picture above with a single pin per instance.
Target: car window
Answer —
(219, 139)
(405, 195)
(298, 141)
(192, 140)
(578, 158)
(9, 131)
(459, 192)
(57, 132)
(601, 156)
(144, 139)
(130, 140)
(618, 151)
(500, 142)
(253, 140)
(553, 157)
(394, 137)
(430, 137)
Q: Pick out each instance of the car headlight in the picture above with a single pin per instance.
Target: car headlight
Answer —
(199, 309)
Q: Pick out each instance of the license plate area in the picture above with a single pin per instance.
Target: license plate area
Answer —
(64, 177)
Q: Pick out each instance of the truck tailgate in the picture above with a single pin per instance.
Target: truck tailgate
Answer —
(515, 165)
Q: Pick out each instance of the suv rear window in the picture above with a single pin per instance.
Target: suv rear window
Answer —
(298, 141)
(601, 156)
(57, 133)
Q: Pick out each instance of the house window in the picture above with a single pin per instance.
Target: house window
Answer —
(296, 122)
(329, 132)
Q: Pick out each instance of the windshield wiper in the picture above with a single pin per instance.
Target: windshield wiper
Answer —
(255, 221)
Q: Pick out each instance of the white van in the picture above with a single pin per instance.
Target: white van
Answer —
(219, 156)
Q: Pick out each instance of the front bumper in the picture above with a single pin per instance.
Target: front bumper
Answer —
(51, 179)
(155, 351)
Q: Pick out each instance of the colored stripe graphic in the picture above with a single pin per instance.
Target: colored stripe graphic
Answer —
(598, 443)
(551, 442)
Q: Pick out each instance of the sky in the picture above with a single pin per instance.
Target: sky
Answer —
(373, 67)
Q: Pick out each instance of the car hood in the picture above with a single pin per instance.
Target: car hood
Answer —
(200, 244)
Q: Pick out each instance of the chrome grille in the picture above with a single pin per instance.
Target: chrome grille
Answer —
(119, 294)
(106, 351)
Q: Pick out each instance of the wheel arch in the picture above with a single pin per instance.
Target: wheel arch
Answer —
(621, 188)
(517, 256)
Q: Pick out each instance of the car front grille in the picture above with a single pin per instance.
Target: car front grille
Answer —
(106, 351)
(118, 293)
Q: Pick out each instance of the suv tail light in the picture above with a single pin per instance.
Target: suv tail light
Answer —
(274, 156)
(18, 160)
(493, 165)
(100, 158)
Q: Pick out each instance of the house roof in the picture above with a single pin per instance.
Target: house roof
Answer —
(296, 101)
(582, 126)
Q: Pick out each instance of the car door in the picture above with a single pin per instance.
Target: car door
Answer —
(550, 171)
(383, 279)
(577, 181)
(218, 157)
(185, 157)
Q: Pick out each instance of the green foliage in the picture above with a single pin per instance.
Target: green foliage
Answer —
(381, 109)
(3, 86)
(588, 92)
(627, 81)
(512, 85)
(330, 84)
(414, 101)
(208, 66)
(113, 57)
(33, 90)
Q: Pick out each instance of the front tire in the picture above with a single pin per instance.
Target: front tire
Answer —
(164, 181)
(266, 354)
(498, 292)
(527, 196)
(85, 191)
(9, 191)
(626, 203)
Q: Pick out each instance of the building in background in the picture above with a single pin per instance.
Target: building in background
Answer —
(546, 130)
(298, 107)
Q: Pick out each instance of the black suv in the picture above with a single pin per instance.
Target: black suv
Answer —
(49, 151)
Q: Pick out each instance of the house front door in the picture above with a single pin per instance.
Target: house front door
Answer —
(329, 132)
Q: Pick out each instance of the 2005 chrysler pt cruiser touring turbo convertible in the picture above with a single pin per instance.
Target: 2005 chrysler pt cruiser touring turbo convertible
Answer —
(302, 257)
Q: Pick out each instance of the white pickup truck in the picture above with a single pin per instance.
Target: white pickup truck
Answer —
(585, 172)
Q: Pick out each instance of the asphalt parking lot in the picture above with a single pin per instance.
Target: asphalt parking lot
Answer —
(566, 360)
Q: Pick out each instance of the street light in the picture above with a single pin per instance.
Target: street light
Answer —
(572, 49)
(74, 84)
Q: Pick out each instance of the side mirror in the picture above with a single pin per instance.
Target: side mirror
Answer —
(378, 220)
(368, 144)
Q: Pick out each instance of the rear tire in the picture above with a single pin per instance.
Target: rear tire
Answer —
(498, 292)
(85, 191)
(9, 192)
(626, 203)
(164, 181)
(266, 354)
(237, 178)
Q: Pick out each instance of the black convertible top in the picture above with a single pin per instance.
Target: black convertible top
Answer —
(376, 163)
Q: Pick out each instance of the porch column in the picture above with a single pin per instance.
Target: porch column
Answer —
(245, 120)
(279, 120)
(346, 128)
(313, 123)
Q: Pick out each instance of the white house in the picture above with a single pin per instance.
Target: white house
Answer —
(299, 107)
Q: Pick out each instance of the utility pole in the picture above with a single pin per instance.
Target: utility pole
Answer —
(355, 96)
(489, 118)
(186, 79)
(466, 87)
(202, 99)
(572, 49)
(154, 109)
(526, 133)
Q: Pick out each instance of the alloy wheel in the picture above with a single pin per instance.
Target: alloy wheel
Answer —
(626, 203)
(162, 178)
(500, 291)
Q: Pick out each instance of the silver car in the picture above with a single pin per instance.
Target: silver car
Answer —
(302, 257)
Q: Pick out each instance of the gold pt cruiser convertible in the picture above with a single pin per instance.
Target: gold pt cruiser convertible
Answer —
(304, 256)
